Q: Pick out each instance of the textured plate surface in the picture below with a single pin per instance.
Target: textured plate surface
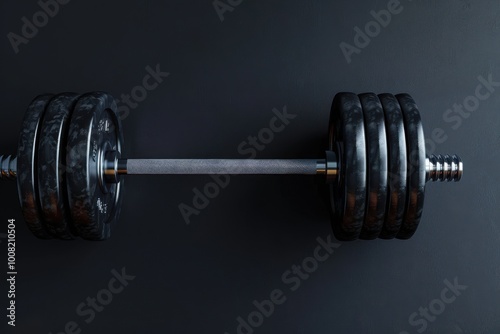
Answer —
(94, 129)
(52, 166)
(348, 196)
(27, 173)
(415, 143)
(396, 143)
(376, 147)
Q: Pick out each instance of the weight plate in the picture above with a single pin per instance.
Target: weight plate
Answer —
(94, 130)
(27, 172)
(397, 166)
(376, 182)
(415, 143)
(348, 195)
(52, 166)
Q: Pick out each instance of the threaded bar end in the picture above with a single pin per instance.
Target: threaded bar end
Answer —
(444, 168)
(8, 165)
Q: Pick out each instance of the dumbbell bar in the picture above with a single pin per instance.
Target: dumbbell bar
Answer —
(69, 167)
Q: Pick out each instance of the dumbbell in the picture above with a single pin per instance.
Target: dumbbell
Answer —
(69, 168)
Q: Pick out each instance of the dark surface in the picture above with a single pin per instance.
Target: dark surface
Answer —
(225, 79)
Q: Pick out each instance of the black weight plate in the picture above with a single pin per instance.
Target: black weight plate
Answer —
(52, 166)
(348, 195)
(397, 166)
(415, 143)
(94, 129)
(27, 173)
(376, 148)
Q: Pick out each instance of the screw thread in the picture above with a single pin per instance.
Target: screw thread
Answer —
(8, 167)
(444, 168)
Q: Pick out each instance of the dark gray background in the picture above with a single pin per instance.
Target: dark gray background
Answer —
(226, 77)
